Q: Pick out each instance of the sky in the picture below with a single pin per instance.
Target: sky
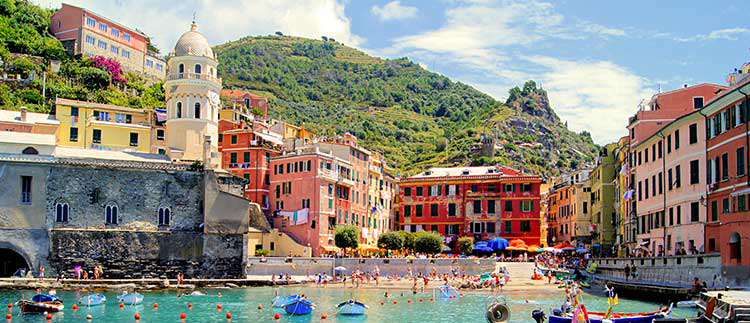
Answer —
(597, 59)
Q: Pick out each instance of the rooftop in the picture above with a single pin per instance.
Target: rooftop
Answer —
(474, 171)
(103, 17)
(239, 93)
(31, 117)
(67, 152)
(11, 137)
(85, 104)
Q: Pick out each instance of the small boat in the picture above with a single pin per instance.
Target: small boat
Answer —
(280, 301)
(448, 291)
(41, 303)
(352, 307)
(299, 306)
(197, 293)
(130, 298)
(598, 317)
(688, 304)
(92, 300)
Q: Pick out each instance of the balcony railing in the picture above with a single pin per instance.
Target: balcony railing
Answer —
(193, 76)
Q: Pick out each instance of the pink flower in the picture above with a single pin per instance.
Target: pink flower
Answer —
(110, 66)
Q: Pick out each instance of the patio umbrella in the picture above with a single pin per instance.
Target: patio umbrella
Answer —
(582, 250)
(512, 248)
(339, 268)
(499, 244)
(549, 249)
(482, 246)
(562, 245)
(569, 249)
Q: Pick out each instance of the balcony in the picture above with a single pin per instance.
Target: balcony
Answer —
(345, 181)
(239, 165)
(193, 76)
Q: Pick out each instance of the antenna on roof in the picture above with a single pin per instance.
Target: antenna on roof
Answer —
(193, 16)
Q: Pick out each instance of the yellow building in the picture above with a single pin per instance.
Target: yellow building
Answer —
(90, 125)
(621, 165)
(290, 131)
(379, 194)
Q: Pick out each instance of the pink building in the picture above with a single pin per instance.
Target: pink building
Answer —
(669, 168)
(83, 32)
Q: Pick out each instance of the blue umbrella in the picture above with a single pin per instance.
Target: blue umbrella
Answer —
(499, 244)
(482, 246)
(581, 250)
(568, 249)
(596, 245)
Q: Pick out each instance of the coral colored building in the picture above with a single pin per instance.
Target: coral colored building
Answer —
(728, 228)
(479, 202)
(247, 101)
(84, 32)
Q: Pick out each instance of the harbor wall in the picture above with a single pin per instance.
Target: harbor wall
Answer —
(387, 266)
(673, 271)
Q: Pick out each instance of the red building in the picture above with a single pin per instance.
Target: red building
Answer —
(479, 202)
(247, 153)
(728, 228)
(246, 100)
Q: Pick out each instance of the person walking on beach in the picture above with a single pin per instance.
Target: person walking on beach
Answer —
(627, 272)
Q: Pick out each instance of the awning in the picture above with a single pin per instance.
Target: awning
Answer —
(331, 248)
(270, 138)
(367, 247)
(161, 116)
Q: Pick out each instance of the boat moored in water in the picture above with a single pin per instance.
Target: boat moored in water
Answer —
(351, 307)
(280, 301)
(299, 306)
(92, 300)
(448, 291)
(130, 298)
(41, 303)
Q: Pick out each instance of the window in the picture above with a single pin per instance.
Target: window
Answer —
(725, 167)
(451, 209)
(61, 212)
(26, 190)
(639, 157)
(418, 211)
(491, 187)
(676, 139)
(419, 190)
(232, 158)
(527, 206)
(678, 177)
(585, 207)
(103, 27)
(653, 152)
(490, 206)
(660, 145)
(246, 177)
(525, 226)
(73, 134)
(490, 227)
(661, 183)
(679, 214)
(90, 22)
(741, 161)
(234, 142)
(197, 68)
(90, 40)
(645, 154)
(694, 172)
(149, 63)
(508, 226)
(741, 203)
(197, 113)
(125, 53)
(179, 110)
(669, 144)
(697, 103)
(181, 68)
(159, 67)
(474, 188)
(115, 33)
(115, 50)
(110, 214)
(714, 211)
(725, 206)
(670, 184)
(126, 37)
(671, 216)
(508, 206)
(134, 139)
(477, 206)
(694, 212)
(640, 190)
(646, 192)
(159, 134)
(693, 133)
(509, 188)
(433, 210)
(165, 214)
(97, 136)
(526, 187)
(407, 210)
(102, 44)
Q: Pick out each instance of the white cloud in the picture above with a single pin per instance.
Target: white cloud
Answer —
(394, 11)
(226, 20)
(600, 30)
(725, 34)
(596, 96)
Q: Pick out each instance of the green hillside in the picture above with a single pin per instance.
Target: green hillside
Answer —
(416, 118)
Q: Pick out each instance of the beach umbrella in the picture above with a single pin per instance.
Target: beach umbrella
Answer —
(563, 245)
(499, 244)
(549, 249)
(339, 268)
(569, 249)
(582, 250)
(512, 248)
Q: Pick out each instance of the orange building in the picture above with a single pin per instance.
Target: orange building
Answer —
(246, 101)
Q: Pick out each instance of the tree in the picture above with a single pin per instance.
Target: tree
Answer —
(466, 245)
(408, 239)
(261, 253)
(428, 242)
(391, 241)
(346, 236)
(256, 112)
(94, 78)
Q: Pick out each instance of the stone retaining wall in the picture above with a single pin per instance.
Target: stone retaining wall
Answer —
(387, 266)
(676, 271)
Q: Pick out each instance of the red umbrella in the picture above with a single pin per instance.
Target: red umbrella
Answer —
(563, 245)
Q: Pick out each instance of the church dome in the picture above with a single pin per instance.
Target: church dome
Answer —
(192, 43)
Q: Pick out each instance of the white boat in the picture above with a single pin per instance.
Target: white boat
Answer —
(351, 307)
(130, 298)
(197, 293)
(448, 291)
(688, 304)
(92, 300)
(280, 301)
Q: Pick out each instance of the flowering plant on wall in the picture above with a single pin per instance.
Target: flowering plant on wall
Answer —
(111, 66)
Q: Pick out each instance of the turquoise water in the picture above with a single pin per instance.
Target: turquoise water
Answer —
(243, 303)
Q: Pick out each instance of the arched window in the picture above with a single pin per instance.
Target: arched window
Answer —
(165, 214)
(111, 214)
(61, 212)
(735, 247)
(197, 68)
(30, 151)
(197, 113)
(179, 110)
(181, 69)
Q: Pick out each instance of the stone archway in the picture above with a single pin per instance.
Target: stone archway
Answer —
(11, 261)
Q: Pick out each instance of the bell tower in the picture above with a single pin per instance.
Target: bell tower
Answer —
(192, 93)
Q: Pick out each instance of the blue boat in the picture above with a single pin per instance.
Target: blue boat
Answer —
(299, 306)
(638, 318)
(351, 307)
(280, 301)
(93, 300)
(448, 292)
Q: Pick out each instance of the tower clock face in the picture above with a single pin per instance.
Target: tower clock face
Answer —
(213, 97)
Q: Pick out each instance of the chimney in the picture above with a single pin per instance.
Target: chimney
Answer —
(23, 113)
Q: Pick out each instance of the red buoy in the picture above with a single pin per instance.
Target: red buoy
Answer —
(9, 316)
(49, 316)
(462, 294)
(137, 316)
(156, 306)
(10, 305)
(183, 316)
(75, 307)
(324, 316)
(229, 315)
(408, 302)
(190, 306)
(122, 305)
(420, 300)
(277, 316)
(382, 303)
(395, 302)
(432, 299)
